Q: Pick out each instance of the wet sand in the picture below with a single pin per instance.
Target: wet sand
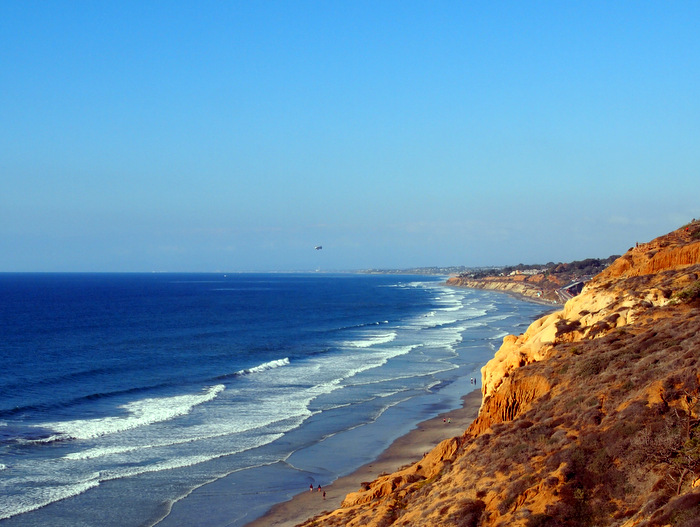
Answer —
(407, 449)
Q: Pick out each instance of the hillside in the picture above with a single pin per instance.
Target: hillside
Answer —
(550, 283)
(589, 418)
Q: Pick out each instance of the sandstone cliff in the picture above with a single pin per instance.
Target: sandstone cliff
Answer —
(517, 285)
(540, 283)
(588, 418)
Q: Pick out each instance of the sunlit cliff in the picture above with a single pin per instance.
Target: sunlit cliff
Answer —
(590, 417)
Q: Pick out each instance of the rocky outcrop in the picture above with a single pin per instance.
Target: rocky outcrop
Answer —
(516, 352)
(428, 468)
(590, 417)
(603, 305)
(514, 396)
(668, 252)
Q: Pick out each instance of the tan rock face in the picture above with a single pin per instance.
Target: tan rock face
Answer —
(429, 467)
(513, 397)
(590, 417)
(519, 351)
(529, 287)
(673, 251)
(603, 305)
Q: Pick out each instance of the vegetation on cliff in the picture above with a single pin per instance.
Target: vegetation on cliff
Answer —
(591, 417)
(546, 282)
(561, 272)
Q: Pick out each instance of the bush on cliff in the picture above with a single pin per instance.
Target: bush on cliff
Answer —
(689, 294)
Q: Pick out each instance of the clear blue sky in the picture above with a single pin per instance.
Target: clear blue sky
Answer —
(235, 136)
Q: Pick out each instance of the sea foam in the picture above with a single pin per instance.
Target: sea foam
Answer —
(265, 366)
(140, 413)
(372, 340)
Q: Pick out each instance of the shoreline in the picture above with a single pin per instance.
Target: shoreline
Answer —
(515, 294)
(405, 450)
(502, 287)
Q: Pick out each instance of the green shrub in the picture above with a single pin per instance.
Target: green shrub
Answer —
(688, 294)
(592, 366)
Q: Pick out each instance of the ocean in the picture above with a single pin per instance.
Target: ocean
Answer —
(204, 399)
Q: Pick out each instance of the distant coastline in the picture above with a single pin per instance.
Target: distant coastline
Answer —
(521, 291)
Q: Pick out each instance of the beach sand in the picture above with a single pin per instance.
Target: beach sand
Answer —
(407, 449)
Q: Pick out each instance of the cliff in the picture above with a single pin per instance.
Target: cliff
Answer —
(518, 286)
(590, 417)
(550, 283)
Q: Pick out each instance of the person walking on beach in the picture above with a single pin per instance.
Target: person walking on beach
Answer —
(319, 488)
(311, 487)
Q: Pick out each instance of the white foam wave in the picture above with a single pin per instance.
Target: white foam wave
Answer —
(180, 462)
(39, 497)
(445, 322)
(42, 494)
(194, 434)
(371, 341)
(355, 365)
(93, 453)
(140, 413)
(219, 428)
(265, 366)
(382, 380)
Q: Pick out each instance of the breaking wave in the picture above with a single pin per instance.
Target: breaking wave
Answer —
(265, 366)
(140, 413)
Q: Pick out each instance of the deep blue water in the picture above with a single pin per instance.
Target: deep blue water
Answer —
(123, 397)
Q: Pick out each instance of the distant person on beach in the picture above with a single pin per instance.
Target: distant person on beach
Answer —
(324, 494)
(311, 487)
(319, 488)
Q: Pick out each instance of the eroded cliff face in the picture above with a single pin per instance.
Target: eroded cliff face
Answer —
(645, 277)
(528, 286)
(590, 417)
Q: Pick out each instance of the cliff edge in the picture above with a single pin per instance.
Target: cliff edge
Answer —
(590, 417)
(548, 284)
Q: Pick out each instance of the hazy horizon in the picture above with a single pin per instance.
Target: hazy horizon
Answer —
(237, 137)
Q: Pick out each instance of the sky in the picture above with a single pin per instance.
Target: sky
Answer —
(233, 136)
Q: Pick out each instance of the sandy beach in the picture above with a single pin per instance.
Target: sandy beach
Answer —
(406, 449)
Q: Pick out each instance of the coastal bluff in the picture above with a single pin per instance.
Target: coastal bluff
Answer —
(590, 417)
(522, 285)
(547, 284)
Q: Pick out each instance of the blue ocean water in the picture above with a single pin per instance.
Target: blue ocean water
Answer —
(140, 400)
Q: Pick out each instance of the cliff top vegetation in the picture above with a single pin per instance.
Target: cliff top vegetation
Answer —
(565, 272)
